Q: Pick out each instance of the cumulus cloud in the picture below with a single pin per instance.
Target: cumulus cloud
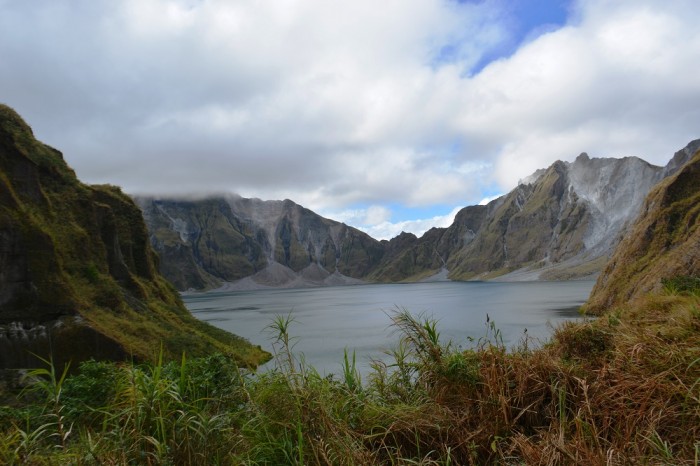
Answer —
(388, 230)
(381, 227)
(488, 199)
(334, 104)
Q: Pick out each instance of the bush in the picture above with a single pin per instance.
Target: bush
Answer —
(682, 285)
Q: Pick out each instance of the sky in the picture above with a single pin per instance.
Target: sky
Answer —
(389, 116)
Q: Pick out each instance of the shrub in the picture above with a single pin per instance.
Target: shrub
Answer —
(683, 284)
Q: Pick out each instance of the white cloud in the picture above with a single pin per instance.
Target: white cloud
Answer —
(488, 199)
(375, 221)
(343, 103)
(610, 85)
(377, 214)
(372, 215)
(388, 230)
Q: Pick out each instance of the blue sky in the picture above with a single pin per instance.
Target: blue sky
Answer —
(387, 115)
(525, 20)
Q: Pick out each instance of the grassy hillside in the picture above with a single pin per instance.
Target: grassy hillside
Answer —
(78, 274)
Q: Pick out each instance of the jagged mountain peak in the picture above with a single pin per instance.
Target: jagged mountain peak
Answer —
(270, 243)
(560, 222)
(663, 243)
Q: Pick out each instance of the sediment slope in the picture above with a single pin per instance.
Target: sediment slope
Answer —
(663, 243)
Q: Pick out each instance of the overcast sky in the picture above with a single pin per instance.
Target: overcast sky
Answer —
(389, 115)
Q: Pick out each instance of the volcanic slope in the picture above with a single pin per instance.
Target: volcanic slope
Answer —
(224, 239)
(78, 277)
(562, 222)
(662, 245)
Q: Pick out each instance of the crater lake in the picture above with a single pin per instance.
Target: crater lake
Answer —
(328, 320)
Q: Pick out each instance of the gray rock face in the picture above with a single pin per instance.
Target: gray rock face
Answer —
(612, 190)
(210, 242)
(561, 222)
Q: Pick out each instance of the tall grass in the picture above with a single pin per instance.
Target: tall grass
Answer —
(619, 390)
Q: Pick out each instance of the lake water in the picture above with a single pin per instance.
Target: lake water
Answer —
(330, 319)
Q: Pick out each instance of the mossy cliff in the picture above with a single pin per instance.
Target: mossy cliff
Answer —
(78, 277)
(664, 243)
(200, 241)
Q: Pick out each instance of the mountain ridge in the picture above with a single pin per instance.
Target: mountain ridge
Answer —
(663, 243)
(562, 222)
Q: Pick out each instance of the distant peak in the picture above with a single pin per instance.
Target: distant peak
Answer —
(583, 157)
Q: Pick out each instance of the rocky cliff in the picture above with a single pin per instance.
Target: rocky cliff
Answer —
(78, 277)
(206, 242)
(663, 243)
(560, 223)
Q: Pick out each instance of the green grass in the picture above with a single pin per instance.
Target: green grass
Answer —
(619, 390)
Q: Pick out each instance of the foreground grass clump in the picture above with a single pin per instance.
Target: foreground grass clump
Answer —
(624, 389)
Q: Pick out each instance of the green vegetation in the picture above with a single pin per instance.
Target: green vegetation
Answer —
(618, 390)
(78, 261)
(682, 285)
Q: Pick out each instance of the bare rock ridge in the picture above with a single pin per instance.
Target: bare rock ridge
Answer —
(206, 242)
(562, 222)
(663, 243)
(78, 277)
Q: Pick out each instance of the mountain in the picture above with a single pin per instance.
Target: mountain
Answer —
(560, 223)
(78, 277)
(662, 244)
(209, 241)
(556, 223)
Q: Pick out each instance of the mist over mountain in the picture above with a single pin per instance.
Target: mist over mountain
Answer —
(560, 223)
(204, 243)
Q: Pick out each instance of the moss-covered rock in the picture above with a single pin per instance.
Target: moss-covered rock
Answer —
(78, 278)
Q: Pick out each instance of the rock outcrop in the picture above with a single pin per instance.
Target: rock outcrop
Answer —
(663, 243)
(568, 216)
(78, 277)
(207, 242)
(560, 223)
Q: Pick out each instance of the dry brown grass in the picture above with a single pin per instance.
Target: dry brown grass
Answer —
(620, 390)
(623, 389)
